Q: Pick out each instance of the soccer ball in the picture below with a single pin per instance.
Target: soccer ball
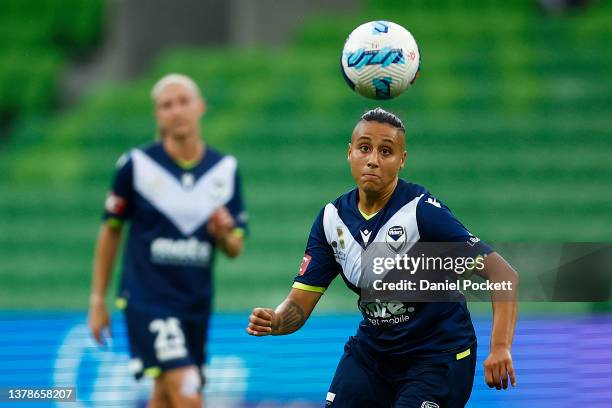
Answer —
(380, 60)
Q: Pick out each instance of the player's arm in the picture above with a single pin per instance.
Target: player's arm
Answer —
(287, 318)
(228, 225)
(317, 270)
(107, 248)
(228, 237)
(438, 224)
(498, 365)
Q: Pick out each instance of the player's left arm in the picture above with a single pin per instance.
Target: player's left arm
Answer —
(498, 366)
(228, 225)
(438, 224)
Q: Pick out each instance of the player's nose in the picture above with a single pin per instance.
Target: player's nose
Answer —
(373, 159)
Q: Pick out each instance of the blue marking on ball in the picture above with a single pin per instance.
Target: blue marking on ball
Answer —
(380, 27)
(383, 87)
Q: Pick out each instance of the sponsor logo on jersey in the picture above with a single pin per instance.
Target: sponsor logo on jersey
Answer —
(473, 241)
(304, 265)
(434, 202)
(243, 217)
(365, 236)
(187, 180)
(396, 238)
(429, 404)
(121, 161)
(115, 204)
(386, 313)
(338, 254)
(189, 252)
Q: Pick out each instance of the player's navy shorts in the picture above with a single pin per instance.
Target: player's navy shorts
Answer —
(162, 341)
(362, 382)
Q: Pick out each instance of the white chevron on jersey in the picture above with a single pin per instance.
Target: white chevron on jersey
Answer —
(405, 217)
(351, 263)
(187, 208)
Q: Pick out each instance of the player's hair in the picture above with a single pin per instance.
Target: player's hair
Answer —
(382, 116)
(171, 79)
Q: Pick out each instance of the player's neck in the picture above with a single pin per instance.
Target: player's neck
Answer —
(371, 202)
(187, 149)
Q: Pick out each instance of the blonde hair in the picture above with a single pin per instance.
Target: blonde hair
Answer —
(172, 79)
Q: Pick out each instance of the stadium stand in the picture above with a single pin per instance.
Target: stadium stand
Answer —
(508, 125)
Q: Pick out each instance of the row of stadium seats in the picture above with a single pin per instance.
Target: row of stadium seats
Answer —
(508, 125)
(37, 40)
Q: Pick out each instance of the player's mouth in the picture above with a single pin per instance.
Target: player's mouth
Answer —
(370, 177)
(180, 124)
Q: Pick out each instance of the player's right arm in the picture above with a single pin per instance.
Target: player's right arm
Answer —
(116, 212)
(107, 247)
(317, 270)
(287, 318)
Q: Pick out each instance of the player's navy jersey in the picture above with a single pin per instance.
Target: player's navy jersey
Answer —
(338, 237)
(169, 253)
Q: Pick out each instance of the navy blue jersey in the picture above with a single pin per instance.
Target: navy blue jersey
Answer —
(338, 237)
(169, 253)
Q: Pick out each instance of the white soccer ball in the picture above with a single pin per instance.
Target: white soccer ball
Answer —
(380, 60)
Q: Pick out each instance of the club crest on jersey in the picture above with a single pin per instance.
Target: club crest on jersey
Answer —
(429, 404)
(219, 189)
(396, 238)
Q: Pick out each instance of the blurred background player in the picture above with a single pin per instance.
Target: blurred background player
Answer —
(182, 199)
(427, 358)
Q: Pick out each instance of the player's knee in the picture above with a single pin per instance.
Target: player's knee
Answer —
(184, 387)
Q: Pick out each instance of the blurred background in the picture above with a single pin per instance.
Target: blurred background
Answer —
(509, 124)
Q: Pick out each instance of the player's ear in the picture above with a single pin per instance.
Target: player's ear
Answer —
(403, 160)
(348, 153)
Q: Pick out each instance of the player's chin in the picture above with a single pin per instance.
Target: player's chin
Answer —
(370, 184)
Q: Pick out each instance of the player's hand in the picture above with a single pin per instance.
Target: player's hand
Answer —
(498, 368)
(221, 223)
(99, 322)
(261, 321)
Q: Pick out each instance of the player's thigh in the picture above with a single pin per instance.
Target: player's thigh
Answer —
(183, 386)
(159, 397)
(444, 385)
(356, 386)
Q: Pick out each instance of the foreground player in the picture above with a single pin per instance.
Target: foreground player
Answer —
(183, 200)
(428, 358)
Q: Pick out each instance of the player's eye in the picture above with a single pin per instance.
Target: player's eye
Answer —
(364, 148)
(386, 152)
